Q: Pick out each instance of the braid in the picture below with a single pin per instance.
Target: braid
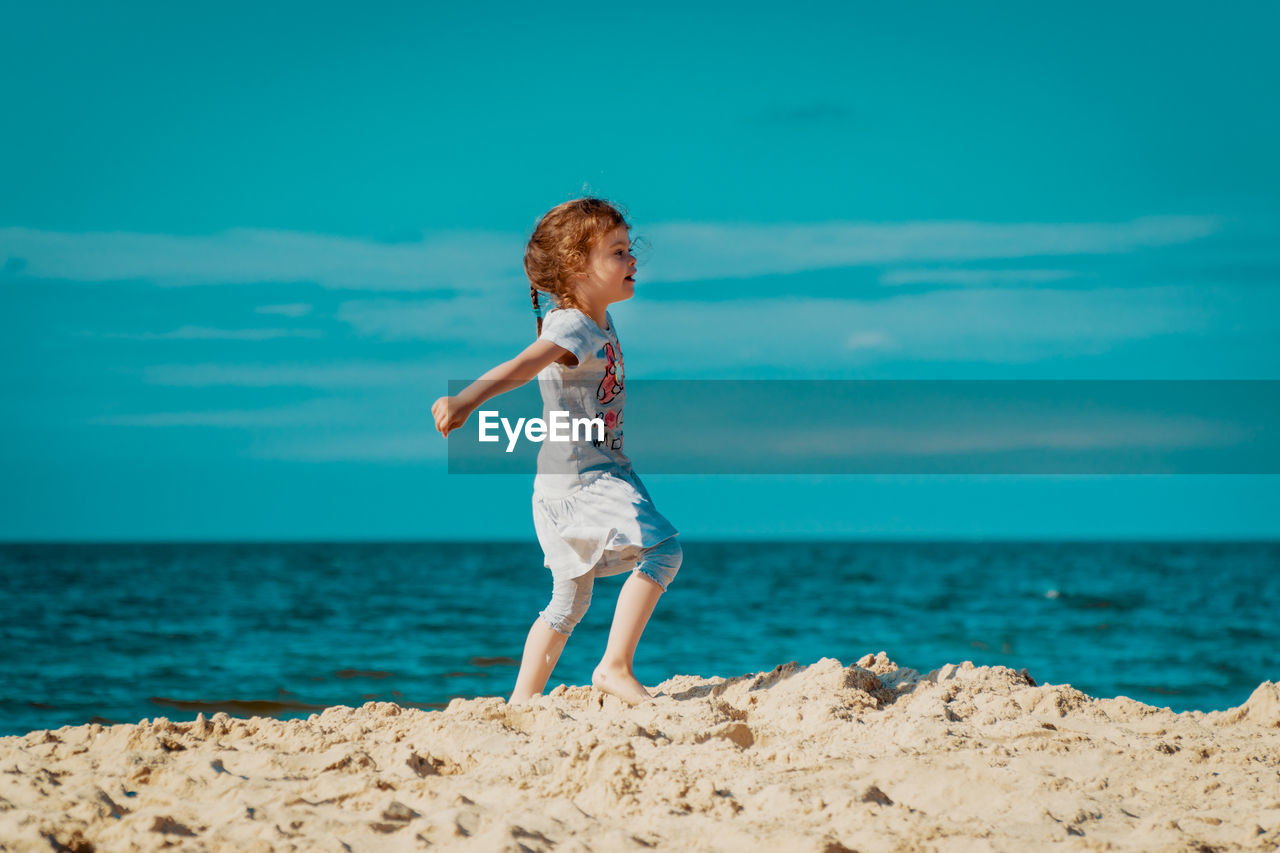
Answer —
(537, 309)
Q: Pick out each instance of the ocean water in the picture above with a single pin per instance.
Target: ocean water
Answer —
(119, 632)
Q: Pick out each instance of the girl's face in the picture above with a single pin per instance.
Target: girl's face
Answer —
(611, 268)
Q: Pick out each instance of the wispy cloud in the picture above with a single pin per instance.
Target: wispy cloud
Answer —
(292, 309)
(869, 339)
(341, 375)
(439, 262)
(1134, 433)
(996, 326)
(346, 414)
(971, 277)
(477, 262)
(403, 446)
(469, 320)
(198, 333)
(311, 412)
(693, 251)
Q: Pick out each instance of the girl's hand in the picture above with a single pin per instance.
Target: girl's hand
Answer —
(449, 414)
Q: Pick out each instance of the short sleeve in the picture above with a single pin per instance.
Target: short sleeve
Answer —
(572, 330)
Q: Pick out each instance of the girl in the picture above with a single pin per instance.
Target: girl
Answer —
(592, 514)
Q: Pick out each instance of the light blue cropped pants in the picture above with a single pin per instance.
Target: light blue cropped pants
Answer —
(571, 597)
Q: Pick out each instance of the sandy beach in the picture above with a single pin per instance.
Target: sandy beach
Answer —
(823, 757)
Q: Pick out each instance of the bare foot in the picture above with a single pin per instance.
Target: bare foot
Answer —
(618, 682)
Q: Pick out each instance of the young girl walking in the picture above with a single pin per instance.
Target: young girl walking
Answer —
(592, 515)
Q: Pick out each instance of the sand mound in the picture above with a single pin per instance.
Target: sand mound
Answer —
(1262, 709)
(823, 757)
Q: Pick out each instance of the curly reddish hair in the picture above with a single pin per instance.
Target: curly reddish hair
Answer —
(560, 245)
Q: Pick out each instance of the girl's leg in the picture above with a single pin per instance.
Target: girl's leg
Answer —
(542, 649)
(639, 596)
(569, 601)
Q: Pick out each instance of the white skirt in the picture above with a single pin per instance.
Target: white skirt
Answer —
(606, 523)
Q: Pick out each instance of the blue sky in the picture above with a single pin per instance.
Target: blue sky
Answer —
(243, 249)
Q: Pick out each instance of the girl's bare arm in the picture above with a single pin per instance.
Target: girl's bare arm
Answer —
(452, 412)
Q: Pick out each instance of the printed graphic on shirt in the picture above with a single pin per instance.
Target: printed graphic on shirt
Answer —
(613, 424)
(611, 384)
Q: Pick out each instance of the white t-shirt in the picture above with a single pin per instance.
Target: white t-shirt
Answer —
(593, 388)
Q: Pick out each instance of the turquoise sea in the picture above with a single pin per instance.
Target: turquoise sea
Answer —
(118, 632)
